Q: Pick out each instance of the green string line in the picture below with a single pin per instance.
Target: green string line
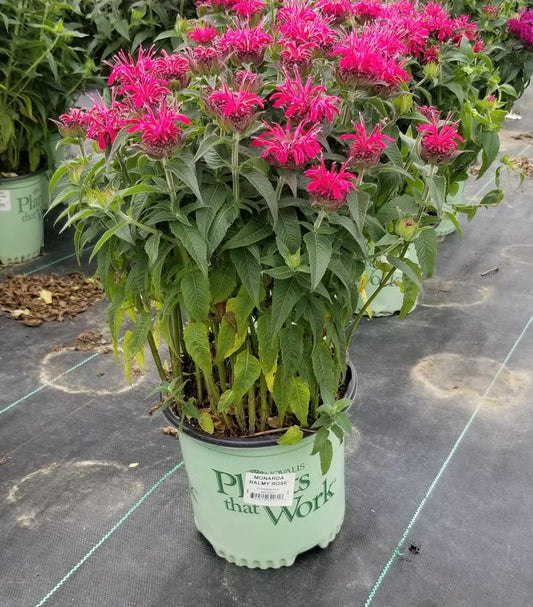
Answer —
(118, 524)
(43, 386)
(52, 263)
(397, 551)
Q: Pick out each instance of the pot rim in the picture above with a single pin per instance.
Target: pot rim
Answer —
(257, 441)
(23, 176)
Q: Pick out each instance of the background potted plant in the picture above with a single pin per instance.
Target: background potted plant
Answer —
(41, 71)
(237, 188)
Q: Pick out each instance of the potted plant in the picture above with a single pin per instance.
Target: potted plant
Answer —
(236, 190)
(41, 70)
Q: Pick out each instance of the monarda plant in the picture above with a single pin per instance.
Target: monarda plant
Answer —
(238, 186)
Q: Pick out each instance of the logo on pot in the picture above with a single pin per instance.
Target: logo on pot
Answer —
(30, 207)
(232, 487)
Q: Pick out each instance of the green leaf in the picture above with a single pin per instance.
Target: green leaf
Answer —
(262, 184)
(326, 455)
(193, 243)
(426, 251)
(410, 294)
(437, 191)
(214, 198)
(196, 296)
(288, 229)
(249, 271)
(352, 228)
(206, 422)
(344, 421)
(196, 336)
(187, 174)
(405, 268)
(254, 231)
(291, 344)
(319, 249)
(267, 344)
(219, 227)
(226, 400)
(492, 198)
(246, 371)
(490, 141)
(292, 437)
(285, 294)
(324, 370)
(320, 439)
(299, 396)
(222, 281)
(225, 340)
(151, 246)
(391, 210)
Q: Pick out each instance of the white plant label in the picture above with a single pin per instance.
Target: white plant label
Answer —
(5, 200)
(269, 489)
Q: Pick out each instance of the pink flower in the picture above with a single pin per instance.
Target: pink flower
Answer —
(521, 27)
(307, 101)
(367, 10)
(146, 90)
(439, 145)
(490, 11)
(429, 111)
(373, 57)
(74, 123)
(203, 34)
(204, 59)
(288, 148)
(246, 44)
(248, 8)
(317, 32)
(160, 134)
(366, 150)
(104, 123)
(295, 10)
(328, 190)
(235, 109)
(337, 10)
(174, 68)
(126, 70)
(296, 56)
(251, 80)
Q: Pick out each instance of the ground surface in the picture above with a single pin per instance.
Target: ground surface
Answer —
(439, 480)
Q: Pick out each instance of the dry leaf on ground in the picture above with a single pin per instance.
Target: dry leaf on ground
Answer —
(41, 297)
(524, 164)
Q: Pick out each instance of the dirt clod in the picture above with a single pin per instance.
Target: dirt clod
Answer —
(42, 297)
(524, 164)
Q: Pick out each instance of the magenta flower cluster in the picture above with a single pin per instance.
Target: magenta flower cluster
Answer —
(522, 27)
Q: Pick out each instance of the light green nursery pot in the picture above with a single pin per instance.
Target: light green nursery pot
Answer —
(262, 505)
(21, 216)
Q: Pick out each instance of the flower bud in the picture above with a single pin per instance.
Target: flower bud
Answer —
(432, 70)
(406, 228)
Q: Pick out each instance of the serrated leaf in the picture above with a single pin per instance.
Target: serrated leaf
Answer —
(263, 185)
(291, 345)
(490, 142)
(319, 249)
(324, 370)
(249, 271)
(288, 229)
(225, 340)
(193, 243)
(187, 174)
(285, 294)
(196, 336)
(254, 231)
(151, 246)
(437, 191)
(267, 344)
(320, 438)
(196, 296)
(222, 281)
(246, 371)
(299, 397)
(326, 455)
(405, 267)
(426, 251)
(291, 437)
(410, 295)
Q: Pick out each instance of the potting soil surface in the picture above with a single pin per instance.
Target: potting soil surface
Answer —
(95, 509)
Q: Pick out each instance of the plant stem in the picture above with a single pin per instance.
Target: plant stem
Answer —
(156, 357)
(384, 281)
(199, 387)
(235, 168)
(263, 415)
(178, 329)
(251, 409)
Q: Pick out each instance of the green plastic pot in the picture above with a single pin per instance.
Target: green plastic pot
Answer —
(263, 535)
(390, 299)
(446, 226)
(21, 216)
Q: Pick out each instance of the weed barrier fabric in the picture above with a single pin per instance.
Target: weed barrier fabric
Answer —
(95, 510)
